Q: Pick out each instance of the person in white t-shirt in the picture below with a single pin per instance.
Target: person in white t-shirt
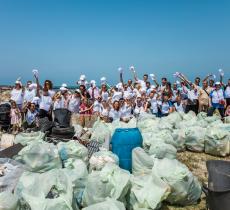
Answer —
(114, 113)
(154, 101)
(179, 107)
(30, 92)
(75, 101)
(93, 90)
(17, 94)
(97, 106)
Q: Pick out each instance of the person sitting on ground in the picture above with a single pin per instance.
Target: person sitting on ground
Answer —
(31, 117)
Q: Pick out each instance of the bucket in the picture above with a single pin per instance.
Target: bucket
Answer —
(218, 190)
(124, 140)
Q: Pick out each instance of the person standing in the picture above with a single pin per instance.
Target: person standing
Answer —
(216, 100)
(203, 96)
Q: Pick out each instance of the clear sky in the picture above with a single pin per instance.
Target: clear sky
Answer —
(65, 38)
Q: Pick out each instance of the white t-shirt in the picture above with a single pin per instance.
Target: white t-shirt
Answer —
(96, 92)
(126, 111)
(74, 105)
(217, 95)
(227, 92)
(17, 96)
(29, 95)
(114, 114)
(31, 116)
(51, 93)
(142, 83)
(154, 104)
(45, 103)
(192, 95)
(97, 107)
(105, 96)
(165, 108)
(179, 107)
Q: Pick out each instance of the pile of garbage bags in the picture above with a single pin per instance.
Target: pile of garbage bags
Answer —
(44, 176)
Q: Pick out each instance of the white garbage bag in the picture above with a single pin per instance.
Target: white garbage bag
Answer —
(185, 188)
(217, 142)
(162, 150)
(109, 204)
(110, 182)
(26, 138)
(147, 192)
(8, 201)
(39, 157)
(142, 163)
(99, 159)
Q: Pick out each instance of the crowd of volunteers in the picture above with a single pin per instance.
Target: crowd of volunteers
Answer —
(123, 101)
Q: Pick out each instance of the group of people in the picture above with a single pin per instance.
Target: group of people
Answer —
(122, 102)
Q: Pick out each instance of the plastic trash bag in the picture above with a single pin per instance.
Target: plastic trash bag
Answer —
(142, 163)
(179, 138)
(217, 142)
(78, 131)
(77, 173)
(194, 138)
(162, 150)
(99, 132)
(47, 191)
(227, 120)
(109, 204)
(8, 201)
(26, 138)
(39, 157)
(147, 192)
(99, 159)
(10, 174)
(110, 182)
(72, 149)
(185, 188)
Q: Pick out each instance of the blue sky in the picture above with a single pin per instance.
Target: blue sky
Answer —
(64, 39)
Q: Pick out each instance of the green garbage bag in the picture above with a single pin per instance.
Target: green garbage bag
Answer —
(73, 149)
(110, 182)
(39, 157)
(100, 131)
(147, 191)
(109, 204)
(99, 159)
(179, 138)
(194, 138)
(8, 201)
(162, 150)
(77, 172)
(26, 138)
(217, 142)
(201, 116)
(51, 190)
(142, 162)
(185, 188)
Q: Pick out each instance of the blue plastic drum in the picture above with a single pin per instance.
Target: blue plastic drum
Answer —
(124, 140)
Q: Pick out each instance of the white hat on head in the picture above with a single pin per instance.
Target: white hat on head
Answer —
(35, 100)
(217, 83)
(153, 87)
(93, 82)
(82, 77)
(63, 89)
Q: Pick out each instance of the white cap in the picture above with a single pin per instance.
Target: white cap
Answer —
(217, 83)
(63, 88)
(132, 68)
(92, 82)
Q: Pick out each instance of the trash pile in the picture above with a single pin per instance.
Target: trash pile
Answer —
(44, 176)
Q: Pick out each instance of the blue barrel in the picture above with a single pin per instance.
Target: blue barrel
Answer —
(124, 140)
